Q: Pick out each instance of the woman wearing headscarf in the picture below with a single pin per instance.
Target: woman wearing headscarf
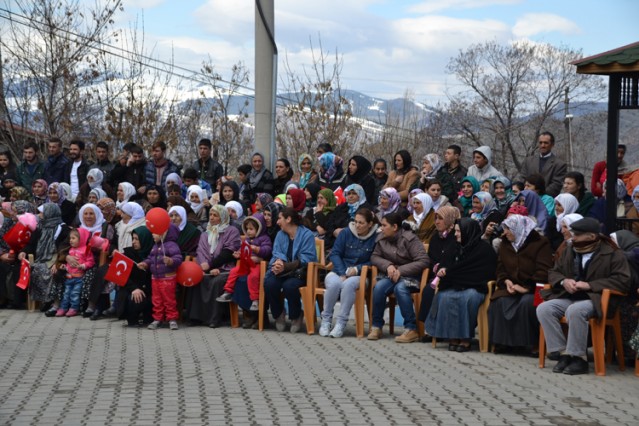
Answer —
(195, 196)
(176, 200)
(126, 192)
(565, 204)
(422, 221)
(484, 210)
(189, 234)
(311, 191)
(67, 208)
(633, 213)
(260, 179)
(153, 197)
(331, 172)
(215, 256)
(463, 284)
(441, 251)
(48, 239)
(306, 173)
(524, 259)
(109, 211)
(236, 213)
(95, 195)
(18, 193)
(502, 194)
(261, 201)
(283, 175)
(469, 186)
(39, 191)
(390, 202)
(133, 300)
(317, 219)
(404, 175)
(271, 213)
(535, 206)
(358, 172)
(432, 169)
(95, 180)
(345, 213)
(132, 217)
(68, 194)
(174, 179)
(296, 198)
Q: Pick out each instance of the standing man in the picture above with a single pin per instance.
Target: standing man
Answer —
(207, 168)
(76, 170)
(102, 161)
(454, 168)
(56, 162)
(159, 167)
(599, 172)
(547, 164)
(31, 168)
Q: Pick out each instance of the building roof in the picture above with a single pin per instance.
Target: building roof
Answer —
(623, 59)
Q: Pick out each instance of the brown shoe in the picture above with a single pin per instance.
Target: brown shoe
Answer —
(408, 336)
(375, 334)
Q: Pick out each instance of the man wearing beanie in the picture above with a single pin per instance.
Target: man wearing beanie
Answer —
(590, 264)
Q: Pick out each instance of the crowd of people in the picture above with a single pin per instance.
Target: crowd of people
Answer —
(465, 226)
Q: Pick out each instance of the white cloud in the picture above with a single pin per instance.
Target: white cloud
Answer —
(143, 4)
(430, 6)
(538, 23)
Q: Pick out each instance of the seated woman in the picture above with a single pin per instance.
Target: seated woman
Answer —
(565, 223)
(195, 196)
(390, 202)
(318, 218)
(296, 199)
(434, 189)
(215, 256)
(283, 174)
(261, 201)
(536, 208)
(536, 183)
(403, 177)
(433, 170)
(400, 258)
(236, 212)
(484, 210)
(189, 237)
(345, 213)
(133, 300)
(422, 221)
(306, 173)
(126, 192)
(153, 197)
(462, 287)
(39, 192)
(331, 172)
(271, 215)
(177, 200)
(502, 194)
(293, 249)
(358, 173)
(574, 183)
(259, 179)
(469, 186)
(524, 259)
(67, 208)
(441, 250)
(565, 204)
(352, 251)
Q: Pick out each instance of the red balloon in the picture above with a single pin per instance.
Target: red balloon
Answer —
(158, 221)
(189, 273)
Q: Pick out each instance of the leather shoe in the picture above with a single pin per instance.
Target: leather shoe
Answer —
(96, 315)
(452, 348)
(577, 366)
(554, 356)
(564, 361)
(463, 348)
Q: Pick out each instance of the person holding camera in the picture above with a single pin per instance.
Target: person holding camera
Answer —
(523, 261)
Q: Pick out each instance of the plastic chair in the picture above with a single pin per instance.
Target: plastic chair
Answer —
(482, 320)
(392, 301)
(600, 345)
(318, 291)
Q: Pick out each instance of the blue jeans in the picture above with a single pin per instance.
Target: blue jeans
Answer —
(71, 296)
(290, 286)
(382, 290)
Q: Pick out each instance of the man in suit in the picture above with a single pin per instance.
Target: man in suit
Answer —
(547, 164)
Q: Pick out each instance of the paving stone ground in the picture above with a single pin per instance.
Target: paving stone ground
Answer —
(59, 371)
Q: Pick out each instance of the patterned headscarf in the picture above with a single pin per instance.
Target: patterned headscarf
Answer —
(19, 193)
(569, 202)
(393, 201)
(352, 208)
(57, 187)
(504, 203)
(487, 204)
(45, 186)
(635, 202)
(22, 207)
(264, 198)
(49, 224)
(68, 194)
(107, 207)
(435, 163)
(214, 231)
(521, 227)
(304, 177)
(329, 165)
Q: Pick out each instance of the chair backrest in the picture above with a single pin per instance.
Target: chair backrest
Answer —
(319, 248)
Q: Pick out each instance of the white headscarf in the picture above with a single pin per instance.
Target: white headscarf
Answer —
(99, 218)
(134, 210)
(521, 227)
(97, 176)
(99, 193)
(239, 210)
(570, 218)
(570, 203)
(201, 194)
(67, 191)
(181, 211)
(125, 238)
(128, 190)
(427, 202)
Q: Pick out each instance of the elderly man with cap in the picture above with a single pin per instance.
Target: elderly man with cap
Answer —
(590, 264)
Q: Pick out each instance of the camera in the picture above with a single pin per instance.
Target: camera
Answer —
(498, 231)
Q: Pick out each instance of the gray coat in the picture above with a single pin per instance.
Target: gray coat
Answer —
(553, 172)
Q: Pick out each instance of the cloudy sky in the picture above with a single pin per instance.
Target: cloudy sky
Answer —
(388, 47)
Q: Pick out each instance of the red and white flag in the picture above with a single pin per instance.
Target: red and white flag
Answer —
(339, 195)
(119, 269)
(246, 262)
(17, 237)
(25, 275)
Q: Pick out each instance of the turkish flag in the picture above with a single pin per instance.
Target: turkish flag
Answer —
(25, 275)
(17, 237)
(119, 269)
(246, 263)
(339, 195)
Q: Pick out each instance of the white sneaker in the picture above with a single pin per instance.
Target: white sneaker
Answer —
(254, 306)
(325, 328)
(154, 325)
(173, 325)
(338, 330)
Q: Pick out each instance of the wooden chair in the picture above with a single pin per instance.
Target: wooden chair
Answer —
(597, 331)
(234, 310)
(482, 320)
(318, 291)
(392, 301)
(306, 292)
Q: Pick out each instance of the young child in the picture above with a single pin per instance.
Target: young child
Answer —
(254, 228)
(163, 260)
(78, 239)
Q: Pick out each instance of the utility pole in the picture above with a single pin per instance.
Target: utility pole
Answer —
(568, 127)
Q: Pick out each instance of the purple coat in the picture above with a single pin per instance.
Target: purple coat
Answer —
(168, 248)
(229, 239)
(263, 241)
